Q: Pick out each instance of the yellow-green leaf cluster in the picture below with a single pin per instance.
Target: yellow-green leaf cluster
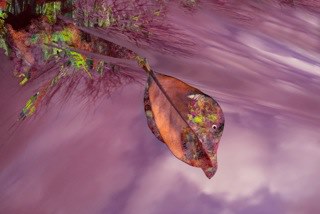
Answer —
(30, 107)
(51, 10)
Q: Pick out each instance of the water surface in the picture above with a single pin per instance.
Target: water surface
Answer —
(261, 64)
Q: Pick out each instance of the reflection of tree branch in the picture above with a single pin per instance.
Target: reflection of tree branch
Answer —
(123, 62)
(109, 36)
(103, 49)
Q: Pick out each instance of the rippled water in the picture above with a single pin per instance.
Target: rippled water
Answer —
(262, 65)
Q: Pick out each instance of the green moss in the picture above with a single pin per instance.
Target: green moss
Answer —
(198, 119)
(212, 117)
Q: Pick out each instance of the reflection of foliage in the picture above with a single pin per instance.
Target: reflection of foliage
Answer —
(3, 43)
(50, 10)
(44, 38)
(43, 44)
(3, 15)
(30, 107)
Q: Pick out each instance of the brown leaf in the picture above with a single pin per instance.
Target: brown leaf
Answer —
(188, 121)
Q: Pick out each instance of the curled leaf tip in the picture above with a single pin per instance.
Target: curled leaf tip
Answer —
(210, 172)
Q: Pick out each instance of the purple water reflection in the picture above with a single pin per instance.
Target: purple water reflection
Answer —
(266, 78)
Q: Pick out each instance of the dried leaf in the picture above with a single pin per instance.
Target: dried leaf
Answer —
(188, 121)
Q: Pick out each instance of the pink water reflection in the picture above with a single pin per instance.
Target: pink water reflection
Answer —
(266, 78)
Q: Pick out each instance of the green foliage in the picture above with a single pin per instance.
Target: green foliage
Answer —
(66, 35)
(77, 60)
(63, 37)
(51, 10)
(48, 42)
(30, 107)
(3, 14)
(24, 78)
(3, 43)
(34, 38)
